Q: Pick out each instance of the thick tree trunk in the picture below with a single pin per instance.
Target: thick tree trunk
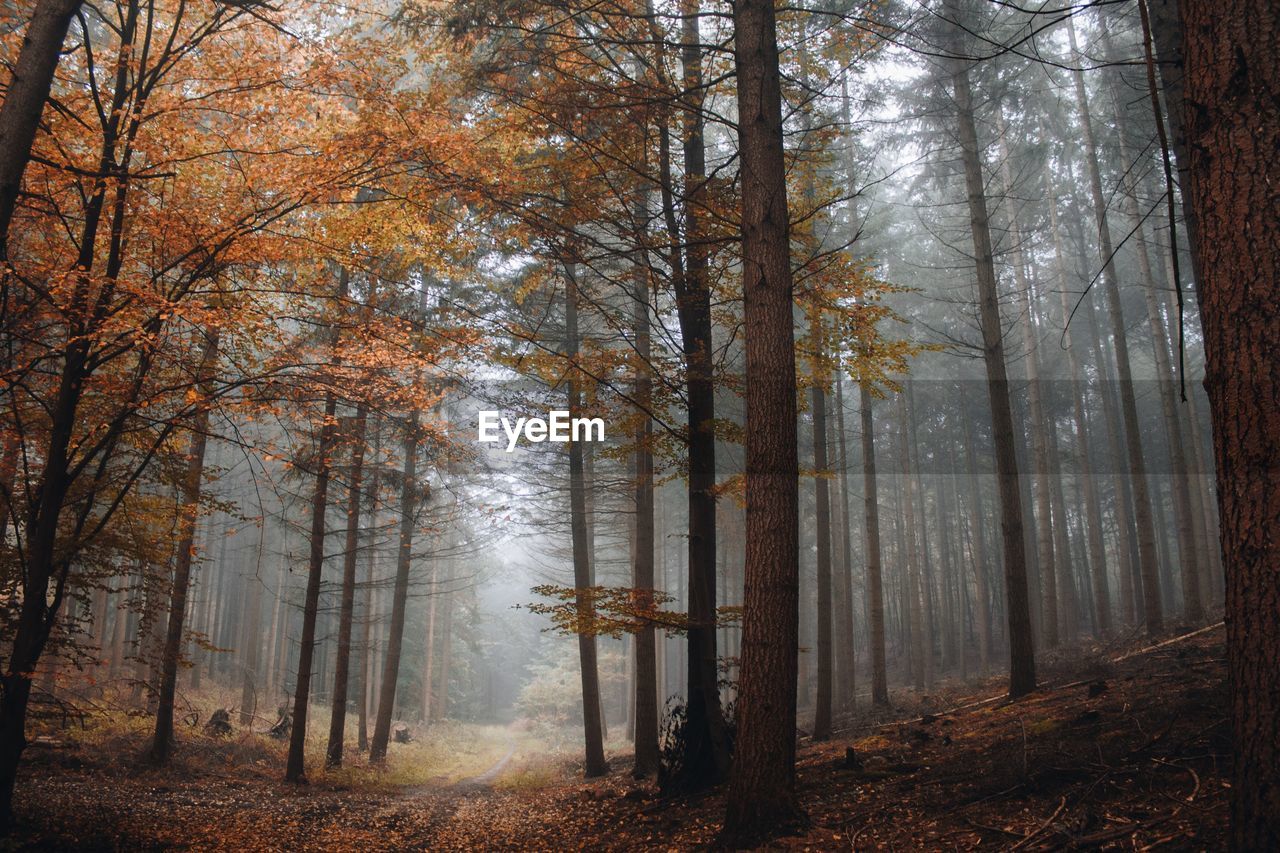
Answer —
(1232, 53)
(192, 481)
(24, 100)
(1022, 672)
(762, 797)
(347, 606)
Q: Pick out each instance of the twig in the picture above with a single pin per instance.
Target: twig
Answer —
(1027, 840)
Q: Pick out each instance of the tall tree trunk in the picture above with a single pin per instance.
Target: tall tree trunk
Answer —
(295, 767)
(409, 499)
(1232, 53)
(762, 797)
(1022, 671)
(846, 661)
(192, 482)
(371, 562)
(24, 100)
(1084, 463)
(1046, 569)
(251, 636)
(1148, 562)
(871, 525)
(595, 764)
(346, 609)
(645, 718)
(822, 508)
(912, 610)
(978, 547)
(706, 755)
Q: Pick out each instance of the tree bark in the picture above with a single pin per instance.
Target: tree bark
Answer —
(24, 101)
(762, 798)
(1232, 53)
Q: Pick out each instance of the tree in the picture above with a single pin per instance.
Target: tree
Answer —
(24, 101)
(185, 554)
(762, 796)
(595, 764)
(1022, 673)
(1232, 65)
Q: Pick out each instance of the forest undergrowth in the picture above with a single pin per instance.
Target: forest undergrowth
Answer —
(1126, 751)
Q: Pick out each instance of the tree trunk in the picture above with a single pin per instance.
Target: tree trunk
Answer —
(1147, 561)
(409, 500)
(822, 508)
(371, 561)
(706, 757)
(295, 767)
(595, 764)
(192, 482)
(871, 532)
(846, 661)
(762, 798)
(1022, 672)
(346, 611)
(24, 101)
(1232, 53)
(645, 718)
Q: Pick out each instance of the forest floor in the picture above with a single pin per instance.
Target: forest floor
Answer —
(1127, 750)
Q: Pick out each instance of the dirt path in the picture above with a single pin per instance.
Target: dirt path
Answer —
(488, 777)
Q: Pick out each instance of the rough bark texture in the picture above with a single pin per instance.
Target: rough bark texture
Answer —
(762, 796)
(24, 100)
(1232, 52)
(1022, 671)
